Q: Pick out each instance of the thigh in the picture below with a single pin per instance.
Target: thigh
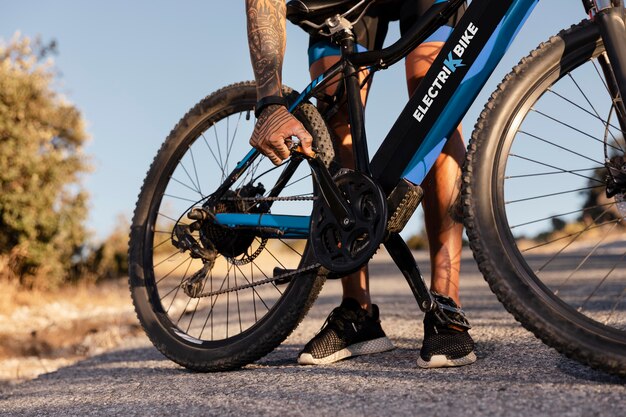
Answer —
(421, 58)
(369, 32)
(411, 10)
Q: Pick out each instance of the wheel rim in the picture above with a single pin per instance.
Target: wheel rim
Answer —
(568, 242)
(187, 179)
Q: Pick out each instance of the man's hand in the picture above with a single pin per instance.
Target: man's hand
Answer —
(273, 131)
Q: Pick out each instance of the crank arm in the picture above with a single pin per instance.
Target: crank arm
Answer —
(401, 255)
(330, 193)
(447, 315)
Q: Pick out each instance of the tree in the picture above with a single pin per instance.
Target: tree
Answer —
(43, 204)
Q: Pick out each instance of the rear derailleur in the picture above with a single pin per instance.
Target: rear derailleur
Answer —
(215, 239)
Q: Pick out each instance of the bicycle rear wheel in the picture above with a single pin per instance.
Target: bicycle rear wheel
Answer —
(239, 320)
(548, 240)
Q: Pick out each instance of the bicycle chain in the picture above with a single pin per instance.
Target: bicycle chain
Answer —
(284, 276)
(260, 199)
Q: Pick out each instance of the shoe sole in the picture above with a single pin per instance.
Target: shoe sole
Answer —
(368, 347)
(442, 361)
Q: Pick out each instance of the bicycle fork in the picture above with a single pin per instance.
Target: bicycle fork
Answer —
(609, 15)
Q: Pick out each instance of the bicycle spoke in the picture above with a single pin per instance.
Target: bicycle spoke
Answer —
(563, 171)
(553, 194)
(177, 287)
(582, 262)
(540, 174)
(219, 163)
(195, 170)
(566, 236)
(211, 309)
(560, 147)
(195, 309)
(589, 102)
(180, 198)
(228, 298)
(606, 87)
(573, 128)
(227, 141)
(172, 271)
(238, 306)
(233, 139)
(253, 293)
(298, 180)
(196, 189)
(617, 303)
(602, 281)
(265, 276)
(275, 258)
(560, 215)
(166, 259)
(185, 185)
(585, 110)
(171, 218)
(253, 288)
(290, 247)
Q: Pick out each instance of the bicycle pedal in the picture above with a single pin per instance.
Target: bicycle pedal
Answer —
(401, 204)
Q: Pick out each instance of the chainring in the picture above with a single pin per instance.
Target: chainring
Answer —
(346, 249)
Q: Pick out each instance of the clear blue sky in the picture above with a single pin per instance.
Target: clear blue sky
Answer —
(135, 67)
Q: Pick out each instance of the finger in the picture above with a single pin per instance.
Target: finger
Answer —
(277, 142)
(272, 157)
(268, 150)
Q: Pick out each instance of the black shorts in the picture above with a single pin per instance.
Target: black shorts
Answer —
(371, 30)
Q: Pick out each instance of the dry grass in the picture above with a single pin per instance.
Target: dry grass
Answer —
(43, 330)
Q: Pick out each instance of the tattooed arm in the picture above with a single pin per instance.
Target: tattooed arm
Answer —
(267, 39)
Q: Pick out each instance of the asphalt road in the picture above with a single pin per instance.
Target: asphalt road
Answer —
(516, 375)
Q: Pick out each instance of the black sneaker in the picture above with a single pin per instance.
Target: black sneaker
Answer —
(348, 331)
(445, 346)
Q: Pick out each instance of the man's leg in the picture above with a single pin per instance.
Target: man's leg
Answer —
(354, 327)
(441, 190)
(443, 346)
(355, 285)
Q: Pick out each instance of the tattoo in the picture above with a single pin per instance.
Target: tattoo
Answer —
(267, 39)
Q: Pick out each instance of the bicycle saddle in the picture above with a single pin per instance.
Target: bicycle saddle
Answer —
(317, 11)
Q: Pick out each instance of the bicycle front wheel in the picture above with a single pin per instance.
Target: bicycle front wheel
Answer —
(234, 313)
(548, 240)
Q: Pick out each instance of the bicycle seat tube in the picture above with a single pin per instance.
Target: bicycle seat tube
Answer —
(345, 39)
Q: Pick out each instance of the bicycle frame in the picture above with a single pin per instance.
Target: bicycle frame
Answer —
(467, 59)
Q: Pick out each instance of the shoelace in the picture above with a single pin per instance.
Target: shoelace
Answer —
(337, 318)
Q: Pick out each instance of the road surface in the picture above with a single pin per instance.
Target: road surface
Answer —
(516, 375)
